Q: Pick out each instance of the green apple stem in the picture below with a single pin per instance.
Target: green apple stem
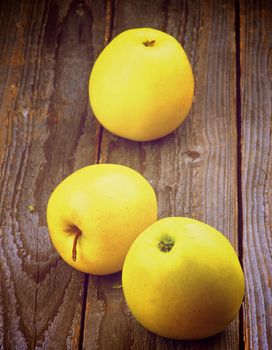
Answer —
(149, 42)
(77, 234)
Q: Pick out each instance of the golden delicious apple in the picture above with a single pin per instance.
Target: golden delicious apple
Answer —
(141, 86)
(96, 213)
(182, 279)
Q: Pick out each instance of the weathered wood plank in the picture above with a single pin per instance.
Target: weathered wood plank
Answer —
(256, 78)
(47, 49)
(193, 170)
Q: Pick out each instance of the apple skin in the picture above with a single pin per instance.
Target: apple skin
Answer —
(111, 205)
(192, 291)
(141, 92)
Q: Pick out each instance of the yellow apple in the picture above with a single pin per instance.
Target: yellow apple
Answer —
(141, 86)
(96, 213)
(182, 279)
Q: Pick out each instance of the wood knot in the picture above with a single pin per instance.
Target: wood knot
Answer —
(192, 154)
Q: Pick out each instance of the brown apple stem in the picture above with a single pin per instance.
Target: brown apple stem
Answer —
(149, 42)
(77, 234)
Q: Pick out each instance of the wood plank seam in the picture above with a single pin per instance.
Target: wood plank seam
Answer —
(98, 138)
(239, 159)
(110, 4)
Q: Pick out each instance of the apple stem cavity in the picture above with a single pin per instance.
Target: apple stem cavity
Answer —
(166, 244)
(149, 43)
(77, 233)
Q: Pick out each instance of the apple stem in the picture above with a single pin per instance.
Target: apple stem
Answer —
(166, 244)
(74, 251)
(149, 43)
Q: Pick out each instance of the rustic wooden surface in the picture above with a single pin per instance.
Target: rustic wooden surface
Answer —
(216, 167)
(47, 51)
(256, 170)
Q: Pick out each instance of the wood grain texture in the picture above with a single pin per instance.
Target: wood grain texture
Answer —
(192, 170)
(256, 97)
(47, 131)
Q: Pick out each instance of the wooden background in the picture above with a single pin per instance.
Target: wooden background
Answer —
(217, 167)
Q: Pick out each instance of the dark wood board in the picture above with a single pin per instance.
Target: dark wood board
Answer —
(194, 170)
(256, 180)
(47, 130)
